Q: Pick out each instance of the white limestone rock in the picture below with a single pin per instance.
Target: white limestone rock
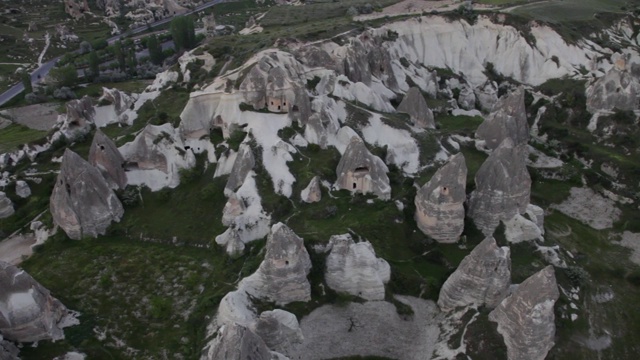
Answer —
(361, 171)
(312, 193)
(353, 268)
(6, 206)
(526, 318)
(242, 165)
(440, 202)
(507, 120)
(467, 98)
(519, 229)
(237, 342)
(22, 189)
(104, 155)
(619, 88)
(78, 121)
(482, 278)
(279, 329)
(415, 105)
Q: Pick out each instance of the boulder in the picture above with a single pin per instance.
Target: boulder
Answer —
(508, 119)
(8, 351)
(82, 203)
(79, 119)
(526, 319)
(415, 105)
(106, 157)
(361, 171)
(244, 163)
(22, 189)
(282, 275)
(482, 278)
(312, 193)
(6, 206)
(440, 202)
(467, 98)
(487, 95)
(232, 209)
(28, 312)
(279, 329)
(353, 268)
(618, 89)
(503, 187)
(236, 342)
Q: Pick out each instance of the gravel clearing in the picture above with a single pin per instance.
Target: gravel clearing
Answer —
(590, 208)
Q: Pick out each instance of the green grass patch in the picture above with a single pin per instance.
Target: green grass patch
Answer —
(15, 135)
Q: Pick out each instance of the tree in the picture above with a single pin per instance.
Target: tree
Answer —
(64, 76)
(120, 56)
(155, 50)
(94, 63)
(183, 33)
(26, 82)
(133, 62)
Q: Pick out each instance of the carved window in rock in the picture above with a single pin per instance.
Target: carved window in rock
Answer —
(361, 171)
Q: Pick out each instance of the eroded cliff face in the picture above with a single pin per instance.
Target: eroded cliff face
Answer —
(618, 89)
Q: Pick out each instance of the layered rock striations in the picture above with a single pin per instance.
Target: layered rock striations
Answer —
(482, 278)
(106, 157)
(82, 203)
(507, 120)
(360, 171)
(526, 319)
(282, 275)
(353, 268)
(440, 202)
(415, 105)
(503, 187)
(28, 312)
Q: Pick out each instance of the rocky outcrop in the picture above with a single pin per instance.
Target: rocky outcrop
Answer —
(526, 318)
(244, 163)
(236, 342)
(282, 275)
(106, 157)
(353, 268)
(121, 103)
(6, 206)
(467, 98)
(482, 278)
(28, 312)
(323, 123)
(232, 209)
(22, 189)
(279, 329)
(82, 203)
(8, 351)
(78, 121)
(618, 89)
(155, 157)
(415, 105)
(360, 171)
(487, 95)
(76, 8)
(508, 120)
(503, 187)
(312, 193)
(440, 202)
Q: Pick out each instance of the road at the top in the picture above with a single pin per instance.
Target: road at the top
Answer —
(43, 70)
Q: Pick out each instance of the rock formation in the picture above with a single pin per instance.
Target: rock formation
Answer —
(104, 155)
(82, 203)
(503, 187)
(28, 312)
(353, 268)
(282, 275)
(8, 351)
(241, 167)
(78, 121)
(22, 189)
(6, 206)
(279, 329)
(526, 318)
(76, 8)
(312, 193)
(507, 120)
(618, 89)
(467, 98)
(440, 202)
(121, 102)
(232, 209)
(236, 342)
(361, 171)
(487, 95)
(415, 105)
(482, 278)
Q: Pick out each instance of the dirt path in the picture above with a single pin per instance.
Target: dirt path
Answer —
(14, 248)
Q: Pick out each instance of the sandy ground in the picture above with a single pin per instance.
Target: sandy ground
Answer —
(632, 241)
(38, 116)
(14, 248)
(408, 7)
(590, 208)
(377, 330)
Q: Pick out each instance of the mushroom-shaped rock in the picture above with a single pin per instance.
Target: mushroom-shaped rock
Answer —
(237, 342)
(6, 206)
(22, 189)
(415, 105)
(619, 88)
(279, 329)
(353, 268)
(526, 318)
(503, 187)
(79, 118)
(282, 275)
(28, 312)
(82, 203)
(440, 202)
(507, 120)
(244, 163)
(106, 157)
(312, 193)
(361, 171)
(482, 278)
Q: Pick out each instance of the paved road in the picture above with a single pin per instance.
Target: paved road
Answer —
(43, 70)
